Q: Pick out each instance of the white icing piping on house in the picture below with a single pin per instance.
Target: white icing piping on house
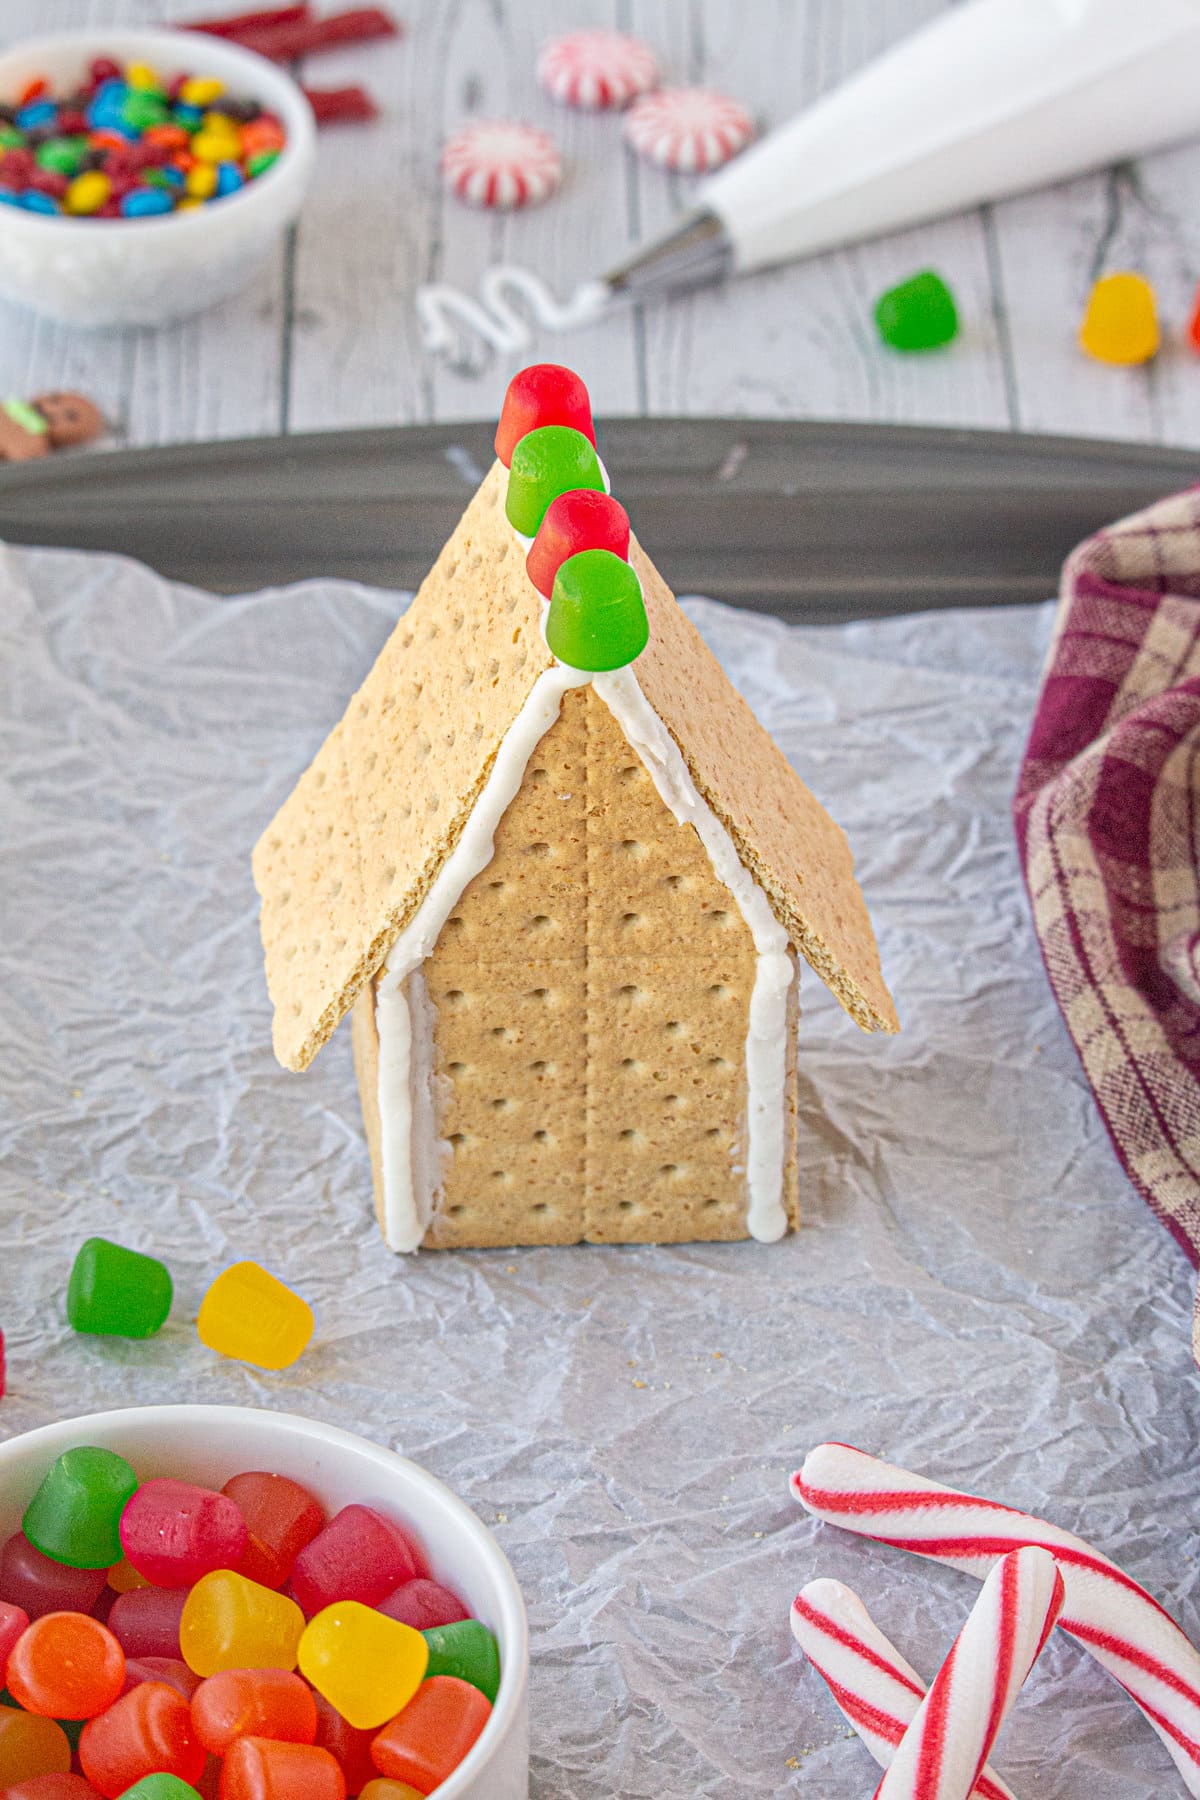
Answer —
(444, 310)
(407, 1114)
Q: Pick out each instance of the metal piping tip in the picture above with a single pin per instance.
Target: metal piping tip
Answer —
(694, 253)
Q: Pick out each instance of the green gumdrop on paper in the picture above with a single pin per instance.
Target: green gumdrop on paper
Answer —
(548, 462)
(467, 1650)
(161, 1787)
(919, 314)
(597, 618)
(114, 1292)
(75, 1516)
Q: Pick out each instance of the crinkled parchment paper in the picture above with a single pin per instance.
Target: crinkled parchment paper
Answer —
(976, 1292)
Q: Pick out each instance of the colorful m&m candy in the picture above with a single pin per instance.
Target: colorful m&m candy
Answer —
(124, 142)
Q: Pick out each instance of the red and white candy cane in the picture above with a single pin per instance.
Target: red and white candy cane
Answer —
(1123, 1627)
(877, 1691)
(501, 163)
(945, 1750)
(597, 69)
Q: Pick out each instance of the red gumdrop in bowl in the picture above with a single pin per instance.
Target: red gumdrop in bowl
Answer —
(360, 1555)
(168, 1669)
(145, 1621)
(350, 1749)
(281, 1518)
(423, 1605)
(173, 1532)
(543, 394)
(39, 1585)
(580, 520)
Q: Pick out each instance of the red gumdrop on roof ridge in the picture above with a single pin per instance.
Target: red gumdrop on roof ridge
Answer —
(543, 394)
(579, 520)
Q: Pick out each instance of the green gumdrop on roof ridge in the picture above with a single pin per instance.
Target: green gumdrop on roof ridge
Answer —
(548, 462)
(597, 618)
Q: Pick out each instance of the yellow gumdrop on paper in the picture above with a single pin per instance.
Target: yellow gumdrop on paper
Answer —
(366, 1665)
(230, 1622)
(249, 1315)
(1121, 322)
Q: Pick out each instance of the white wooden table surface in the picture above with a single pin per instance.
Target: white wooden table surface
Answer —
(326, 336)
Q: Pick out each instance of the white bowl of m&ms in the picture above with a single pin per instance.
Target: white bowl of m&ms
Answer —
(144, 175)
(214, 1603)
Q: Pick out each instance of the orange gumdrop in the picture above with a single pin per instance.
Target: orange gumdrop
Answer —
(66, 1666)
(148, 1731)
(259, 1769)
(30, 1746)
(425, 1743)
(263, 1703)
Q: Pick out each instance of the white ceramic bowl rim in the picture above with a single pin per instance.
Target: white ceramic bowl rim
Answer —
(282, 95)
(207, 1422)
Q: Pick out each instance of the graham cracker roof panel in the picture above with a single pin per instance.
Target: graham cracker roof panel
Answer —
(783, 834)
(354, 849)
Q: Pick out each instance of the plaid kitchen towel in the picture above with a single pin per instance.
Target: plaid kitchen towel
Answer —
(1107, 812)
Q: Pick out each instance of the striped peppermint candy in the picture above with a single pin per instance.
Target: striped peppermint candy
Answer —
(876, 1690)
(501, 164)
(597, 70)
(1126, 1630)
(689, 129)
(944, 1751)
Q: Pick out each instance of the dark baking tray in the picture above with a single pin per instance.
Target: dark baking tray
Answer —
(808, 520)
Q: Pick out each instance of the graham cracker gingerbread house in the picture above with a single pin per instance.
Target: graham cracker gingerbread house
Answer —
(560, 875)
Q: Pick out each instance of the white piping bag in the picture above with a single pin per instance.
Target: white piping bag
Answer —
(994, 97)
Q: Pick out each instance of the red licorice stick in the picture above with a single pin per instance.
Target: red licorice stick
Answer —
(341, 106)
(282, 43)
(239, 23)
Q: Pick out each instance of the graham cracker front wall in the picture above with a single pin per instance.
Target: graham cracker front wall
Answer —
(591, 992)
